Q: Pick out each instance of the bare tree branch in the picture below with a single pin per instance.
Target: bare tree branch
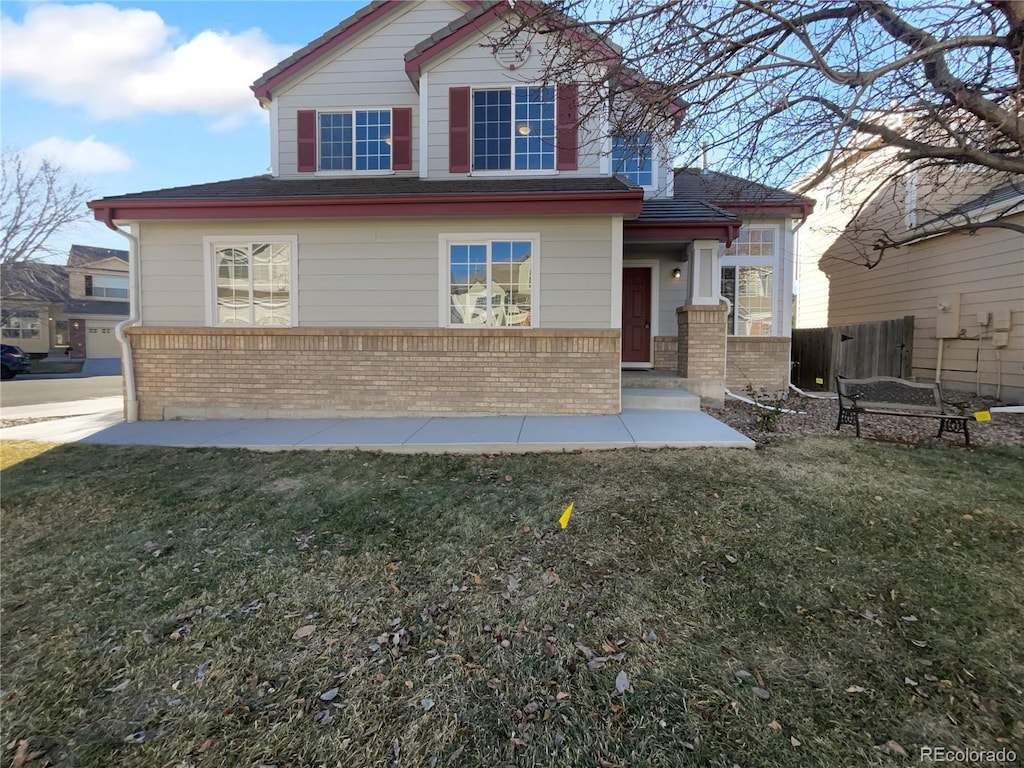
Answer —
(36, 202)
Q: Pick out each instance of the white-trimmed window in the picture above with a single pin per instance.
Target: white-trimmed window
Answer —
(489, 281)
(514, 129)
(355, 140)
(20, 324)
(109, 286)
(250, 280)
(749, 267)
(632, 159)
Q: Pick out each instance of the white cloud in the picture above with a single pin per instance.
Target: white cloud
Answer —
(120, 62)
(86, 156)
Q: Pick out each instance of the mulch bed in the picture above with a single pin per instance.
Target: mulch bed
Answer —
(818, 417)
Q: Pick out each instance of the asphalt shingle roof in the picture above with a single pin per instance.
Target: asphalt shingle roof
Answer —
(38, 282)
(683, 211)
(82, 255)
(723, 189)
(255, 187)
(96, 307)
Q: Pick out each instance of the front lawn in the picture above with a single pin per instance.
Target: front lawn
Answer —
(827, 601)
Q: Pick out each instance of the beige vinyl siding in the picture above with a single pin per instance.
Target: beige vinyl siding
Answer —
(380, 273)
(473, 65)
(369, 72)
(986, 269)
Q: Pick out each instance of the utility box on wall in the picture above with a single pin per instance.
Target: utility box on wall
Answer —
(947, 317)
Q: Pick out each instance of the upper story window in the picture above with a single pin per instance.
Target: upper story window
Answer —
(106, 286)
(356, 140)
(631, 158)
(514, 129)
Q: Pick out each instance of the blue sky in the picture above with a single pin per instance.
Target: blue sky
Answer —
(133, 96)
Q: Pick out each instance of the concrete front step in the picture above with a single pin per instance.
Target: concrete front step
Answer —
(653, 380)
(660, 399)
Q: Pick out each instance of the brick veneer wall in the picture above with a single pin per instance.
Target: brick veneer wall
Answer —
(326, 372)
(666, 353)
(761, 362)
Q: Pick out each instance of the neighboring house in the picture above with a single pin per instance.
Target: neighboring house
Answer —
(440, 233)
(964, 290)
(98, 300)
(51, 309)
(32, 311)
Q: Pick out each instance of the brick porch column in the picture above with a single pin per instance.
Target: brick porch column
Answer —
(702, 348)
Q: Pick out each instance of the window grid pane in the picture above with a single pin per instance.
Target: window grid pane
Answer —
(373, 140)
(234, 299)
(535, 128)
(336, 141)
(750, 287)
(492, 130)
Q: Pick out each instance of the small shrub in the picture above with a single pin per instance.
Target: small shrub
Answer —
(770, 412)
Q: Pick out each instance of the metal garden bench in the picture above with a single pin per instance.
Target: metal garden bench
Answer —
(889, 396)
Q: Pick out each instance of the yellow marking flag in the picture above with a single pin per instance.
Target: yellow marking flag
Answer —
(819, 381)
(982, 416)
(564, 519)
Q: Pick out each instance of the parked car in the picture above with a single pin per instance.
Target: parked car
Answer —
(13, 361)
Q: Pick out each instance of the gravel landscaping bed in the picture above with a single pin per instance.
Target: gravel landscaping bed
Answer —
(818, 417)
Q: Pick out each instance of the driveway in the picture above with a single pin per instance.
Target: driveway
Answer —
(40, 390)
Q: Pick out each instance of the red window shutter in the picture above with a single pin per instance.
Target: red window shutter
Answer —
(458, 130)
(567, 113)
(88, 285)
(401, 139)
(306, 130)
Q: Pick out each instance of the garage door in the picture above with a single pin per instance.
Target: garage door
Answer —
(100, 341)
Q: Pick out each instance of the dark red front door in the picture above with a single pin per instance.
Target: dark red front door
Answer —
(636, 315)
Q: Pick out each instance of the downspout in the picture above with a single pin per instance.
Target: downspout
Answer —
(938, 363)
(128, 369)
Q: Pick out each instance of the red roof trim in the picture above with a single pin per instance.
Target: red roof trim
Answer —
(263, 90)
(680, 230)
(627, 202)
(415, 64)
(470, 27)
(768, 209)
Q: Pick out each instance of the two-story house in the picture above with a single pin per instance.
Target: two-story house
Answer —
(442, 232)
(72, 309)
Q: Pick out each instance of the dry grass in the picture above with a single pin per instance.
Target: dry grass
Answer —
(152, 598)
(15, 451)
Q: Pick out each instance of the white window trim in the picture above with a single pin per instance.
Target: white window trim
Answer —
(778, 277)
(553, 171)
(446, 239)
(341, 172)
(210, 278)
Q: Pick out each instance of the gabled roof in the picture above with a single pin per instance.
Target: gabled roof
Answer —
(34, 282)
(443, 39)
(323, 45)
(83, 255)
(738, 195)
(375, 196)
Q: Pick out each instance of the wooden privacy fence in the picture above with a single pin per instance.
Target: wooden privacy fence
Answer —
(860, 351)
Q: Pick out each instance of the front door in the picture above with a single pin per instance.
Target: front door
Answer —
(636, 315)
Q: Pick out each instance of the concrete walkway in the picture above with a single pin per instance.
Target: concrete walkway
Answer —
(492, 434)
